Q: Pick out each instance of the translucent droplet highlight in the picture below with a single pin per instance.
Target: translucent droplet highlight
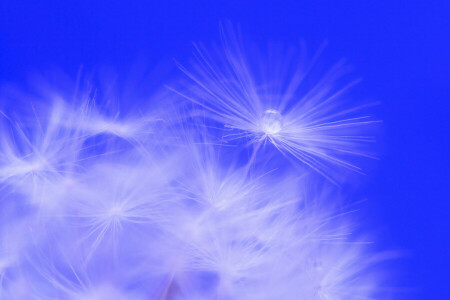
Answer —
(272, 122)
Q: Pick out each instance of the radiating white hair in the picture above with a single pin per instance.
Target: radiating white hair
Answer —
(97, 204)
(278, 98)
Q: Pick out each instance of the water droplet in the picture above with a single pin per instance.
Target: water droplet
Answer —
(272, 121)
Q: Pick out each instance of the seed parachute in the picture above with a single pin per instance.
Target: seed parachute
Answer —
(206, 191)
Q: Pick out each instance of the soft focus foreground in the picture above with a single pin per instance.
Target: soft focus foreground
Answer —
(225, 189)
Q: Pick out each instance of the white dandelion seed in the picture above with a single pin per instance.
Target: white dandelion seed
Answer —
(114, 197)
(37, 155)
(272, 99)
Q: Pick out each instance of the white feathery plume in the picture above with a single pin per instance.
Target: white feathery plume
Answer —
(101, 204)
(277, 99)
(38, 154)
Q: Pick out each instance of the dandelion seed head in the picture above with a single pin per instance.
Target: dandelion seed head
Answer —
(272, 122)
(307, 117)
(122, 211)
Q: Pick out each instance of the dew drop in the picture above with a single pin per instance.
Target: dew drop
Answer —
(272, 121)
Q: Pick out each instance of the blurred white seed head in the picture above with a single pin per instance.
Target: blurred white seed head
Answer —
(116, 205)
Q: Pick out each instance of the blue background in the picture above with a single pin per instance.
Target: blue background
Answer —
(399, 48)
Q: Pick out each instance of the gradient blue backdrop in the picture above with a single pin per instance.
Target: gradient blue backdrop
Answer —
(399, 48)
